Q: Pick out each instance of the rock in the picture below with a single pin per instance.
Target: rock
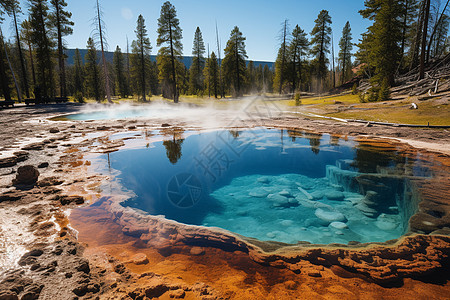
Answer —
(338, 225)
(21, 155)
(177, 294)
(54, 130)
(278, 200)
(285, 193)
(156, 290)
(32, 292)
(165, 125)
(367, 211)
(81, 290)
(10, 196)
(316, 195)
(258, 193)
(43, 165)
(286, 222)
(335, 195)
(290, 285)
(371, 199)
(197, 251)
(271, 235)
(386, 222)
(337, 187)
(140, 259)
(65, 200)
(34, 146)
(314, 274)
(8, 161)
(263, 179)
(84, 266)
(103, 128)
(329, 215)
(48, 181)
(8, 295)
(26, 175)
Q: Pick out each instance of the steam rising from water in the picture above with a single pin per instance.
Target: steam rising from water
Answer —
(216, 114)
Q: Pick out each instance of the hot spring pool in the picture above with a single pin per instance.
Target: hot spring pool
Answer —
(271, 184)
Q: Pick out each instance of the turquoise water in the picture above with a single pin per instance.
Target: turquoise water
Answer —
(276, 185)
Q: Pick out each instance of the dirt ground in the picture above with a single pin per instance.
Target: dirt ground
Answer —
(43, 255)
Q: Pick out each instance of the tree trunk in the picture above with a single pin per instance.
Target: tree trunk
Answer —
(434, 30)
(22, 61)
(33, 72)
(3, 76)
(424, 42)
(172, 58)
(105, 67)
(62, 69)
(143, 69)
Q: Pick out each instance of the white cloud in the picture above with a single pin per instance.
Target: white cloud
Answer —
(127, 14)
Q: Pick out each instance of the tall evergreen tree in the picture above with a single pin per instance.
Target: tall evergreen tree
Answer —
(92, 71)
(144, 48)
(41, 25)
(297, 51)
(15, 9)
(61, 22)
(383, 39)
(118, 62)
(408, 15)
(212, 72)
(4, 78)
(100, 34)
(345, 52)
(78, 74)
(281, 68)
(198, 63)
(440, 27)
(171, 49)
(321, 35)
(26, 32)
(234, 62)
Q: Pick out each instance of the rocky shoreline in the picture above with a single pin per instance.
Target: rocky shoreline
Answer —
(53, 263)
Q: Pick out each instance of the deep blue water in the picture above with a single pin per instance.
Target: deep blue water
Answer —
(206, 178)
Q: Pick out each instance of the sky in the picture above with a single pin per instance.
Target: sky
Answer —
(259, 21)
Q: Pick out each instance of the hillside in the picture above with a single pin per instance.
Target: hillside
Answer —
(187, 60)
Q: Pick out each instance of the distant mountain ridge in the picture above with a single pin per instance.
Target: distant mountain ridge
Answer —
(187, 60)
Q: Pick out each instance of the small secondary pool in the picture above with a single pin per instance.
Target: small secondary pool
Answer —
(272, 184)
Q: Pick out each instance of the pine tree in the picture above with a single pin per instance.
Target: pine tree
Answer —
(25, 33)
(144, 48)
(92, 71)
(78, 74)
(198, 63)
(4, 78)
(234, 62)
(100, 35)
(298, 49)
(118, 62)
(169, 55)
(345, 52)
(321, 35)
(211, 71)
(15, 9)
(61, 21)
(382, 40)
(40, 36)
(281, 64)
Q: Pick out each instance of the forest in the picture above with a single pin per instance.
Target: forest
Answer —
(404, 36)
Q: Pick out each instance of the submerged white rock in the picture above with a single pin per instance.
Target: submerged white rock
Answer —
(330, 216)
(335, 195)
(259, 193)
(338, 225)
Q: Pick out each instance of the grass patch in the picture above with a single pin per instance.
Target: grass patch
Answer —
(428, 112)
(343, 99)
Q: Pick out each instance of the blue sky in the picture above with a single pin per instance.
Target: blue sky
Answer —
(259, 21)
